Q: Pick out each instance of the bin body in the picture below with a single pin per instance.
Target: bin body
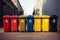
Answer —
(53, 23)
(45, 23)
(6, 23)
(14, 23)
(22, 23)
(30, 23)
(37, 23)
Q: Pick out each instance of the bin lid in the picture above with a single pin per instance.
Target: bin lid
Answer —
(37, 16)
(22, 16)
(14, 16)
(54, 16)
(45, 16)
(30, 16)
(6, 16)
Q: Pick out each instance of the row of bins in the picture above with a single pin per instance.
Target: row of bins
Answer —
(37, 23)
(41, 23)
(10, 24)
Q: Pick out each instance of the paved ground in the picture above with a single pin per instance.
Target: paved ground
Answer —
(29, 35)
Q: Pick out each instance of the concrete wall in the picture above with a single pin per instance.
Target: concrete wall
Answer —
(52, 7)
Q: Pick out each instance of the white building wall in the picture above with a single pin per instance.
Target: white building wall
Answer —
(39, 5)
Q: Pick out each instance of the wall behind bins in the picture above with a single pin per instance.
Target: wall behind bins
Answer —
(52, 7)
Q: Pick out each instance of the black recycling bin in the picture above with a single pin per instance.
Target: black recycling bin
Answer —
(53, 23)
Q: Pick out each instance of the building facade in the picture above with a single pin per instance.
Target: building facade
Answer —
(12, 7)
(9, 7)
(18, 6)
(1, 12)
(38, 6)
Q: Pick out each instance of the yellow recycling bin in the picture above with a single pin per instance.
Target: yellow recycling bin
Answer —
(22, 23)
(45, 23)
(37, 23)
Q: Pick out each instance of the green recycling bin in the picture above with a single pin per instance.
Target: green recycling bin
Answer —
(22, 23)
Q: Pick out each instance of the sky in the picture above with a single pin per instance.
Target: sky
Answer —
(28, 6)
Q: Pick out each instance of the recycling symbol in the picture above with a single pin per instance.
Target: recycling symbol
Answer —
(54, 21)
(14, 21)
(30, 20)
(6, 21)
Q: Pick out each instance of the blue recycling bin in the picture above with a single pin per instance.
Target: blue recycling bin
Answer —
(30, 23)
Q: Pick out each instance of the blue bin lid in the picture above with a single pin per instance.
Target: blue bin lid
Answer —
(30, 16)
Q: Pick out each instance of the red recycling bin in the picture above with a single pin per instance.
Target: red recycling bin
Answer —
(6, 23)
(14, 23)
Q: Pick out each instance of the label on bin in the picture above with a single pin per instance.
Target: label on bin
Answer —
(30, 20)
(6, 21)
(53, 21)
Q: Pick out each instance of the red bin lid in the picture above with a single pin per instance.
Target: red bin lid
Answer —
(6, 16)
(14, 16)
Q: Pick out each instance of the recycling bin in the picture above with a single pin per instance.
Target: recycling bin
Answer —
(22, 23)
(30, 23)
(45, 23)
(14, 23)
(53, 23)
(37, 23)
(6, 23)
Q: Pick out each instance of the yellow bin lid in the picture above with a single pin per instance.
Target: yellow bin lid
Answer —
(37, 16)
(45, 16)
(22, 16)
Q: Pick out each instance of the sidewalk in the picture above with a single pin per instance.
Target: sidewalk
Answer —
(1, 30)
(29, 35)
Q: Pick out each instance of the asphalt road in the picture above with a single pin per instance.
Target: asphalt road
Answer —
(29, 35)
